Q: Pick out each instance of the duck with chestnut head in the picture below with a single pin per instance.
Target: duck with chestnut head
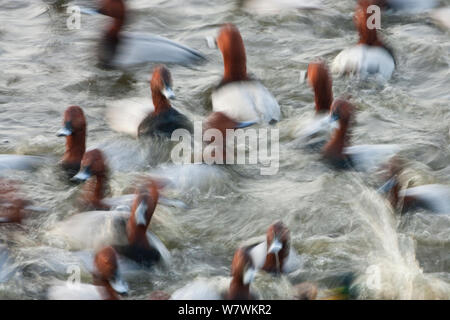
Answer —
(126, 231)
(121, 49)
(74, 130)
(165, 119)
(341, 154)
(370, 56)
(242, 274)
(238, 96)
(432, 197)
(107, 281)
(94, 172)
(275, 255)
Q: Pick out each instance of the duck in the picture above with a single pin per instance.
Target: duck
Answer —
(319, 79)
(370, 57)
(338, 152)
(139, 248)
(74, 130)
(119, 49)
(238, 96)
(143, 119)
(433, 197)
(94, 170)
(164, 119)
(107, 281)
(242, 275)
(215, 128)
(126, 232)
(14, 207)
(275, 255)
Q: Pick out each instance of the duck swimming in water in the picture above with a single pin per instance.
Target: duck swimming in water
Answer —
(432, 197)
(126, 232)
(238, 96)
(94, 171)
(107, 281)
(370, 56)
(123, 49)
(242, 274)
(164, 119)
(157, 118)
(275, 255)
(74, 129)
(340, 154)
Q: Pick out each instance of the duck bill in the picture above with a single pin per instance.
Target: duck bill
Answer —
(89, 11)
(168, 93)
(211, 42)
(64, 132)
(276, 246)
(331, 121)
(141, 213)
(249, 275)
(303, 76)
(119, 285)
(333, 117)
(83, 175)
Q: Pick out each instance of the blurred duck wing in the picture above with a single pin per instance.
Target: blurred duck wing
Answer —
(436, 197)
(370, 157)
(363, 61)
(156, 243)
(138, 48)
(93, 229)
(246, 101)
(293, 263)
(125, 116)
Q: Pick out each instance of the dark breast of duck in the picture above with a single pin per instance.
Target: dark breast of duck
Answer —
(146, 256)
(164, 124)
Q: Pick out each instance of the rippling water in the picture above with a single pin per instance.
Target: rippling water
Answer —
(339, 224)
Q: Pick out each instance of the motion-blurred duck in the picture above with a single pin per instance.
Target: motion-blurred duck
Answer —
(74, 129)
(360, 157)
(238, 96)
(320, 80)
(125, 231)
(432, 197)
(158, 119)
(370, 56)
(242, 273)
(14, 207)
(275, 255)
(122, 49)
(107, 284)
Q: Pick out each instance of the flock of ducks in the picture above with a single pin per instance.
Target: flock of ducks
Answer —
(238, 102)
